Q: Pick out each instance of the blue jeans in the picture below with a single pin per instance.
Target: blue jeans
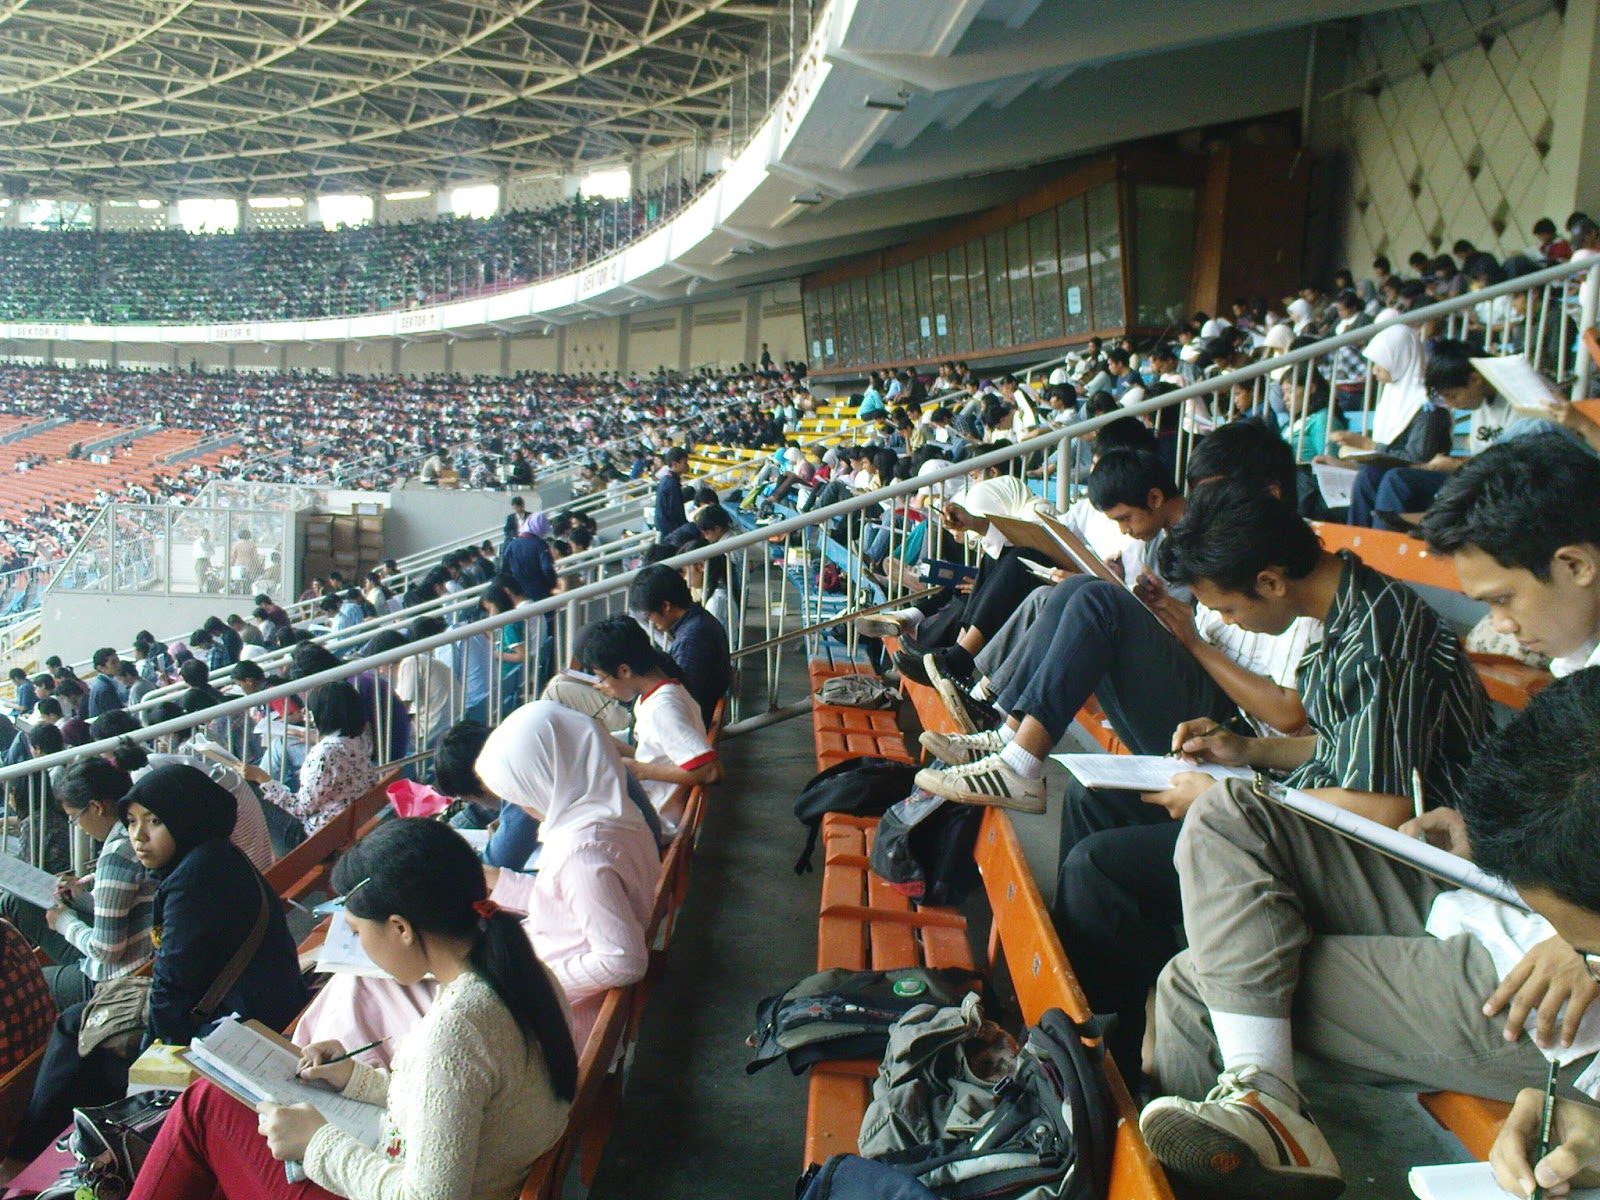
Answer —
(1392, 489)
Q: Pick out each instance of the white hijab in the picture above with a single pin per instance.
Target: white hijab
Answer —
(1398, 350)
(1300, 313)
(560, 766)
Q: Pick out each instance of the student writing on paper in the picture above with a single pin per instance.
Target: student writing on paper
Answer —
(1453, 382)
(586, 908)
(478, 1090)
(112, 938)
(208, 899)
(1094, 637)
(1389, 691)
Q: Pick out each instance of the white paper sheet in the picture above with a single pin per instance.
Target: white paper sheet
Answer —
(27, 882)
(1335, 483)
(1469, 1181)
(1513, 376)
(1139, 772)
(342, 954)
(256, 1066)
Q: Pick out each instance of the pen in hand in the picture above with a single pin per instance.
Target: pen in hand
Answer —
(339, 1058)
(1546, 1120)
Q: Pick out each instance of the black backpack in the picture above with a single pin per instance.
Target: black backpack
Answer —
(858, 787)
(924, 847)
(847, 1014)
(1050, 1137)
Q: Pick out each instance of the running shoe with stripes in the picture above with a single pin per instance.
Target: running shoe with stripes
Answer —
(1241, 1143)
(879, 625)
(988, 780)
(959, 748)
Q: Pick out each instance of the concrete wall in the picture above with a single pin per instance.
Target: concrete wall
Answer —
(76, 624)
(420, 518)
(1444, 126)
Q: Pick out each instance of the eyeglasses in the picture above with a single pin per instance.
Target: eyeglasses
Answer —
(1591, 963)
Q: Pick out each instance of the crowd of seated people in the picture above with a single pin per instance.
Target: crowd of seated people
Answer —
(176, 277)
(309, 429)
(1269, 949)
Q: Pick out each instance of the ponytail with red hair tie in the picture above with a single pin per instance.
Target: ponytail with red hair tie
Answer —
(485, 908)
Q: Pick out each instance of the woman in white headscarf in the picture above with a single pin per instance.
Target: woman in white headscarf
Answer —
(1404, 425)
(1300, 314)
(588, 904)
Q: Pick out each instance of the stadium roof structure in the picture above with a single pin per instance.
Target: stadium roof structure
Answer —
(122, 98)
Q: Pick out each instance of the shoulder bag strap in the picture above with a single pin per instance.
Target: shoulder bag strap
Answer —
(230, 974)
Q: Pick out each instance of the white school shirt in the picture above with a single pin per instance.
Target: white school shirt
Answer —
(667, 728)
(1275, 656)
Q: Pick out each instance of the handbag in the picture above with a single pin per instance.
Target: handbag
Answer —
(111, 1143)
(117, 1015)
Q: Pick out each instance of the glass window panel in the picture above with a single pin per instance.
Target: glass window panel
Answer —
(994, 254)
(1074, 268)
(908, 310)
(978, 295)
(896, 347)
(844, 335)
(880, 325)
(825, 326)
(1105, 257)
(960, 311)
(1162, 245)
(1018, 262)
(141, 549)
(923, 271)
(813, 310)
(861, 315)
(939, 278)
(1046, 276)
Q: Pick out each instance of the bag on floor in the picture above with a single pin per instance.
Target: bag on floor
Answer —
(924, 848)
(111, 1143)
(847, 1014)
(1050, 1137)
(857, 787)
(851, 1177)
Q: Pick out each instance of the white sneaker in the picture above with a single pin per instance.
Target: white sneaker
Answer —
(879, 625)
(988, 780)
(958, 748)
(1240, 1143)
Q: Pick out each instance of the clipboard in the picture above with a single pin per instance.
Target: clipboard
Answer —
(1031, 535)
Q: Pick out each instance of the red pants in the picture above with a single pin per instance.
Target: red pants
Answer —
(209, 1149)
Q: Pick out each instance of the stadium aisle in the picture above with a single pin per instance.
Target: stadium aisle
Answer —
(693, 1125)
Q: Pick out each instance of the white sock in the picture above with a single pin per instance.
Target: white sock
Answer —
(1023, 763)
(983, 690)
(1007, 734)
(1266, 1043)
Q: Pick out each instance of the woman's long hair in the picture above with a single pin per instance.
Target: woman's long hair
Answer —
(427, 873)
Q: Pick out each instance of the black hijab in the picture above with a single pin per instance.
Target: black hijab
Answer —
(193, 807)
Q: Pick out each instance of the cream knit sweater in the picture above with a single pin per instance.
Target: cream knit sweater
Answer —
(469, 1109)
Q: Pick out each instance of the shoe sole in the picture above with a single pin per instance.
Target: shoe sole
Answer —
(1213, 1164)
(934, 781)
(938, 745)
(946, 688)
(877, 627)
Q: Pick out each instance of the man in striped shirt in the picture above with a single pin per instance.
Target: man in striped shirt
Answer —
(1390, 697)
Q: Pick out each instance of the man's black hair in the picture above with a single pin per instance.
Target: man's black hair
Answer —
(675, 455)
(1519, 502)
(657, 585)
(1532, 797)
(195, 673)
(387, 639)
(1449, 366)
(126, 670)
(426, 627)
(455, 759)
(713, 518)
(49, 706)
(1230, 532)
(1125, 433)
(1249, 451)
(119, 722)
(245, 669)
(1128, 477)
(102, 656)
(311, 658)
(615, 642)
